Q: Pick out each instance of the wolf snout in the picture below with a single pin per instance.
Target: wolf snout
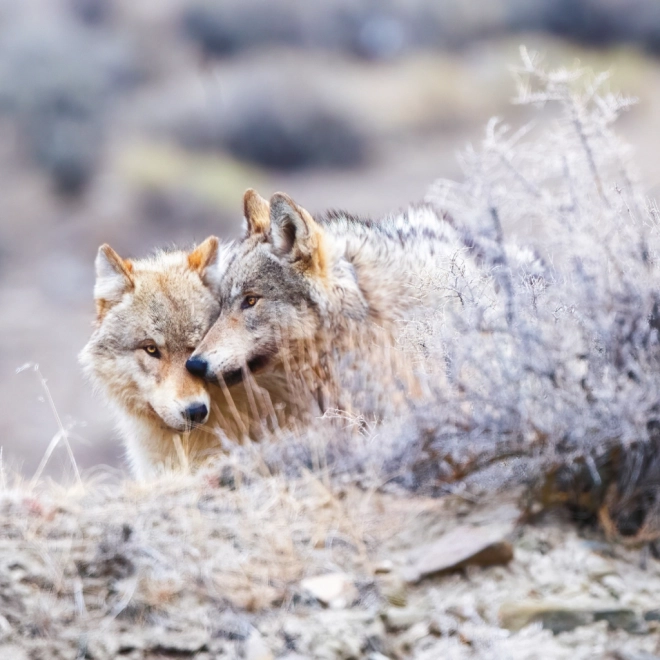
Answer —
(197, 366)
(197, 413)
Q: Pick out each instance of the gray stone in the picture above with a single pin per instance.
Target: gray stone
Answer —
(484, 545)
(172, 643)
(400, 618)
(11, 651)
(636, 655)
(558, 617)
(256, 648)
(622, 619)
(230, 625)
(335, 590)
(5, 628)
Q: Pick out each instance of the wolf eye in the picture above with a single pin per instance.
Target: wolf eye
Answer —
(152, 350)
(249, 301)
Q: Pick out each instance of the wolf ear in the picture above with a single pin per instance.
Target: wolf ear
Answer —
(204, 255)
(257, 213)
(294, 233)
(113, 278)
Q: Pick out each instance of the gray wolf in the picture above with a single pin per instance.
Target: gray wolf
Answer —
(150, 315)
(296, 287)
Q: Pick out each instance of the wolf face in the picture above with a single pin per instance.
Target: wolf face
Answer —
(279, 288)
(151, 314)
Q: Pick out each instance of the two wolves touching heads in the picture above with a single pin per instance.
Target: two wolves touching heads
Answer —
(196, 348)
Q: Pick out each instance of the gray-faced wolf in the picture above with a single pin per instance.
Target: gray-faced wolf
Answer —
(297, 290)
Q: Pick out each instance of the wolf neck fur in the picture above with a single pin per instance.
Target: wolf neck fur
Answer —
(384, 259)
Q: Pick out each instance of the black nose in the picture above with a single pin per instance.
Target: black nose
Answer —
(197, 366)
(196, 413)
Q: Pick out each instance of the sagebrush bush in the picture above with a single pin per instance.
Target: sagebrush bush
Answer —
(559, 369)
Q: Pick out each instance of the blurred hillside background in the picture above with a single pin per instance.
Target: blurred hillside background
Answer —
(141, 124)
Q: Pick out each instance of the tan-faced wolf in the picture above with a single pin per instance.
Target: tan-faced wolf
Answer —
(296, 290)
(151, 313)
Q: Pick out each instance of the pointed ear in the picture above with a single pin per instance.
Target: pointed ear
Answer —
(294, 233)
(204, 255)
(257, 213)
(113, 278)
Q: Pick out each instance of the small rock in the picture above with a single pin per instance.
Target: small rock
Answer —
(635, 655)
(128, 642)
(232, 626)
(553, 616)
(614, 584)
(385, 566)
(5, 628)
(597, 567)
(463, 546)
(394, 589)
(173, 643)
(652, 615)
(400, 618)
(404, 644)
(443, 624)
(256, 648)
(335, 590)
(622, 619)
(102, 647)
(418, 631)
(559, 618)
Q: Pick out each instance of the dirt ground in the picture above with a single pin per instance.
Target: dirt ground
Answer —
(187, 567)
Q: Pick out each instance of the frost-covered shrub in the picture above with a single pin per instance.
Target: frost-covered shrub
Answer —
(555, 378)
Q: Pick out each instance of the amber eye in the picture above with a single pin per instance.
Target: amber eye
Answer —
(249, 301)
(152, 350)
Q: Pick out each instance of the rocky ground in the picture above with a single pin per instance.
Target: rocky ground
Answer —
(207, 568)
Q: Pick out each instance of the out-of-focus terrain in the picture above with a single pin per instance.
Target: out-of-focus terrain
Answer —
(140, 124)
(195, 568)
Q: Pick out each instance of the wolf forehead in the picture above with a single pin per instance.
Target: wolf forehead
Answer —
(172, 307)
(257, 270)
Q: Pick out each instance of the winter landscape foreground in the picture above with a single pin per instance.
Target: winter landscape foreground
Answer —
(511, 512)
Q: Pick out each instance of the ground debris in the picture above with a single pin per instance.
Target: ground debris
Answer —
(256, 648)
(463, 546)
(188, 583)
(335, 590)
(402, 618)
(561, 617)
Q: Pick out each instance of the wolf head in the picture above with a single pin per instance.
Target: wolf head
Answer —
(285, 281)
(151, 313)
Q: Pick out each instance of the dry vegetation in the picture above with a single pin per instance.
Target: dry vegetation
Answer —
(538, 378)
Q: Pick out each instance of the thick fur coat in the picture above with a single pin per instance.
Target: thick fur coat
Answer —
(298, 290)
